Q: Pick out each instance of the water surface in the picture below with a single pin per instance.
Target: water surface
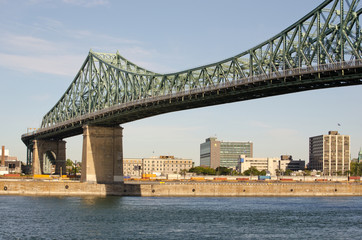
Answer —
(180, 218)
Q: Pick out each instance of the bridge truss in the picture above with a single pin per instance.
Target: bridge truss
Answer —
(323, 49)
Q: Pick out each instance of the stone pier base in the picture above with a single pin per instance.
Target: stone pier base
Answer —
(102, 157)
(55, 148)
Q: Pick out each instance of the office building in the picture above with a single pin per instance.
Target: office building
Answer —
(160, 166)
(214, 153)
(330, 153)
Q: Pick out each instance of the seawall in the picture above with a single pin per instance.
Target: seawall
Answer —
(177, 189)
(251, 189)
(55, 188)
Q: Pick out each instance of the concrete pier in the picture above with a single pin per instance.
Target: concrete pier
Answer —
(55, 148)
(102, 157)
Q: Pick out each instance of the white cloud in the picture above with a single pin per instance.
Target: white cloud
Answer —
(87, 3)
(52, 64)
(44, 24)
(21, 43)
(282, 133)
(259, 124)
(63, 50)
(30, 53)
(38, 1)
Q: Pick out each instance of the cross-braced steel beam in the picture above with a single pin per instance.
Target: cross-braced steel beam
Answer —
(323, 49)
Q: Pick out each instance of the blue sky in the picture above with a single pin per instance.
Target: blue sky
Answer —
(43, 43)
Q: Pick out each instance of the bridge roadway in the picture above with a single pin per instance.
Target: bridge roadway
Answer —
(276, 83)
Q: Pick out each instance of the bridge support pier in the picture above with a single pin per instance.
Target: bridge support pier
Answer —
(102, 157)
(53, 148)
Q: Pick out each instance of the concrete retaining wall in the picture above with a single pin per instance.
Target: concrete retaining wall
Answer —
(243, 190)
(43, 188)
(170, 189)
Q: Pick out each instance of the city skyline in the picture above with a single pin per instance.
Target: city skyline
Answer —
(44, 44)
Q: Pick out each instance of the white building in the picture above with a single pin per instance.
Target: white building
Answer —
(270, 164)
(267, 164)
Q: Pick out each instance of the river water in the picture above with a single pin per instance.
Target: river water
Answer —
(180, 218)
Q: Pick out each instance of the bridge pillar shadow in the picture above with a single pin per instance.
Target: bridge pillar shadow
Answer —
(102, 156)
(53, 149)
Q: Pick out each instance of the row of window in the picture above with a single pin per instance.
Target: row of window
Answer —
(157, 161)
(179, 166)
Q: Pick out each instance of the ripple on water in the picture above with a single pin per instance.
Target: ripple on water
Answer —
(180, 218)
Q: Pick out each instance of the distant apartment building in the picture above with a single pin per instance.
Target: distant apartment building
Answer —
(330, 153)
(359, 159)
(162, 165)
(214, 153)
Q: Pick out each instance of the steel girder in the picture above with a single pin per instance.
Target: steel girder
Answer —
(329, 34)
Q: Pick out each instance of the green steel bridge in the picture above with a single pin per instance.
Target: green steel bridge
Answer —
(321, 50)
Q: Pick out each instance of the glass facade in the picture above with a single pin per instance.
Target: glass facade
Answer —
(205, 154)
(214, 153)
(230, 153)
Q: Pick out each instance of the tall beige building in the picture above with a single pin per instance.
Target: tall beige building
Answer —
(330, 153)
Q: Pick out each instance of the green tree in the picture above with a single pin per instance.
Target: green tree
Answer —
(69, 163)
(356, 169)
(262, 173)
(209, 171)
(251, 171)
(223, 171)
(197, 170)
(69, 166)
(183, 172)
(307, 172)
(202, 170)
(288, 172)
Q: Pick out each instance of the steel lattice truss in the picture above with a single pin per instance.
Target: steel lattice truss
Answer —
(329, 34)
